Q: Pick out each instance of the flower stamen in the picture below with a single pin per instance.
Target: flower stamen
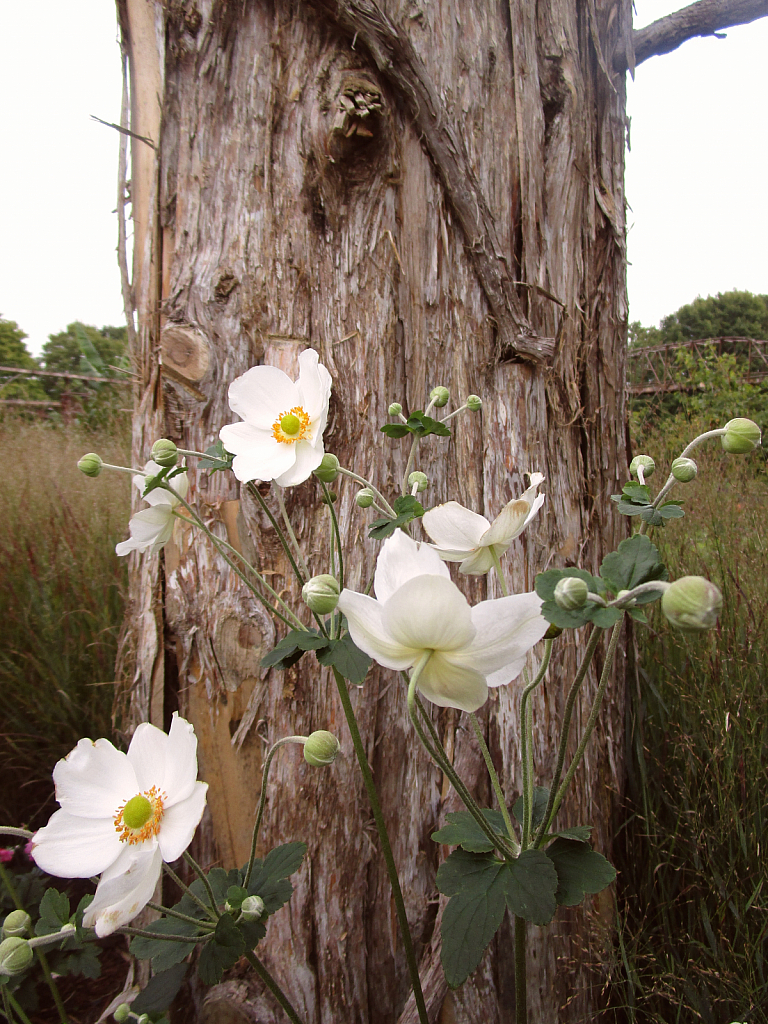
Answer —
(292, 426)
(139, 818)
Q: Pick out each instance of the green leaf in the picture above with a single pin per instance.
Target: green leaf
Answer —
(347, 658)
(578, 833)
(223, 951)
(632, 508)
(220, 458)
(472, 917)
(407, 504)
(580, 870)
(82, 906)
(235, 896)
(288, 650)
(651, 516)
(460, 871)
(530, 886)
(270, 876)
(54, 912)
(545, 584)
(394, 430)
(160, 990)
(83, 961)
(462, 830)
(635, 491)
(635, 561)
(670, 510)
(540, 798)
(406, 507)
(164, 953)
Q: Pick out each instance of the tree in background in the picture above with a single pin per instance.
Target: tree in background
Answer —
(13, 352)
(732, 314)
(84, 349)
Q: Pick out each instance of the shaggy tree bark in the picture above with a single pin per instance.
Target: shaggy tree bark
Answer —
(425, 194)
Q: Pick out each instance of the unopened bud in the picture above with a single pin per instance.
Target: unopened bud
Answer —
(364, 498)
(692, 604)
(553, 632)
(17, 923)
(474, 403)
(122, 1013)
(571, 593)
(419, 480)
(164, 453)
(627, 604)
(90, 464)
(15, 956)
(252, 908)
(741, 436)
(328, 469)
(439, 397)
(642, 461)
(395, 409)
(330, 498)
(321, 593)
(684, 470)
(321, 748)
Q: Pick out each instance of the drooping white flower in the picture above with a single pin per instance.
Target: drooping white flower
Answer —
(418, 609)
(460, 535)
(121, 816)
(152, 528)
(281, 438)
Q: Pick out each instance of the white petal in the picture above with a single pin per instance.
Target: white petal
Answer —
(179, 823)
(124, 889)
(264, 460)
(507, 524)
(94, 779)
(454, 528)
(150, 529)
(479, 562)
(538, 501)
(364, 617)
(451, 685)
(159, 496)
(148, 752)
(262, 395)
(308, 458)
(180, 762)
(507, 629)
(314, 386)
(400, 560)
(75, 847)
(429, 613)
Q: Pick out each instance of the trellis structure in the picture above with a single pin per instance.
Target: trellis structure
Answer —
(657, 371)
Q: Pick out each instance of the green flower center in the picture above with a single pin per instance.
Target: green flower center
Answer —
(290, 424)
(137, 812)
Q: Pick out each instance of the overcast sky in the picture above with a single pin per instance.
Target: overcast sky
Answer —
(696, 173)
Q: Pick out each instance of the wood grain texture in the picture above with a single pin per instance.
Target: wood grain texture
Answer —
(276, 230)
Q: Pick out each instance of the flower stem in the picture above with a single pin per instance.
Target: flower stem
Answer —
(164, 936)
(278, 493)
(526, 744)
(409, 463)
(365, 768)
(203, 878)
(339, 552)
(386, 507)
(169, 912)
(254, 491)
(494, 777)
(17, 1009)
(671, 479)
(521, 995)
(272, 985)
(21, 833)
(186, 889)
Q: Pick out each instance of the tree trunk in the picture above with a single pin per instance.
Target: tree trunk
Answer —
(463, 225)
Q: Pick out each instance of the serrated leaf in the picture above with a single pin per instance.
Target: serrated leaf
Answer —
(540, 798)
(638, 492)
(635, 561)
(530, 886)
(223, 951)
(220, 458)
(580, 870)
(288, 650)
(638, 615)
(578, 833)
(651, 516)
(164, 953)
(463, 872)
(82, 906)
(546, 582)
(84, 960)
(270, 876)
(160, 991)
(408, 504)
(632, 508)
(462, 830)
(470, 920)
(394, 430)
(253, 932)
(54, 912)
(235, 896)
(347, 658)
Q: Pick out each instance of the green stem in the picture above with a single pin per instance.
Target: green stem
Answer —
(367, 483)
(278, 493)
(20, 833)
(671, 480)
(143, 933)
(337, 533)
(494, 777)
(186, 889)
(526, 744)
(254, 491)
(189, 859)
(409, 463)
(499, 573)
(272, 985)
(18, 1010)
(521, 995)
(170, 912)
(262, 582)
(365, 768)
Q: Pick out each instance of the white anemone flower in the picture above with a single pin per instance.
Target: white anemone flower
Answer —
(281, 438)
(460, 535)
(152, 528)
(121, 816)
(418, 610)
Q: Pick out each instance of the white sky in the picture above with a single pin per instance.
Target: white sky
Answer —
(696, 175)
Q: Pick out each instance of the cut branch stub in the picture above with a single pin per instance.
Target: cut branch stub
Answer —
(185, 354)
(356, 119)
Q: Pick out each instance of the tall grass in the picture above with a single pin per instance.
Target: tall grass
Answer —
(61, 600)
(693, 891)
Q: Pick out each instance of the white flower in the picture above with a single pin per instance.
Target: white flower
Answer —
(152, 528)
(463, 536)
(122, 815)
(418, 609)
(282, 436)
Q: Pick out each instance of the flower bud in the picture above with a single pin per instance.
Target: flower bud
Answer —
(644, 461)
(684, 470)
(321, 593)
(252, 908)
(321, 748)
(420, 479)
(627, 604)
(692, 604)
(15, 956)
(474, 403)
(330, 498)
(328, 469)
(122, 1013)
(164, 453)
(439, 397)
(571, 593)
(553, 632)
(17, 923)
(90, 464)
(395, 409)
(364, 498)
(741, 436)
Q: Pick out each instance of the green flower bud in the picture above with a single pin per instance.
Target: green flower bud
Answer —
(684, 470)
(321, 593)
(420, 479)
(321, 748)
(90, 464)
(252, 908)
(330, 499)
(17, 923)
(439, 397)
(395, 409)
(474, 403)
(328, 469)
(571, 593)
(646, 462)
(364, 498)
(122, 1013)
(741, 436)
(15, 956)
(692, 604)
(164, 453)
(553, 632)
(629, 604)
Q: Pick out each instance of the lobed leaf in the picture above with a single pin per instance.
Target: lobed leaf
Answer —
(462, 830)
(580, 870)
(530, 885)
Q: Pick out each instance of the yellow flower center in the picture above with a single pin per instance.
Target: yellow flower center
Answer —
(139, 818)
(292, 426)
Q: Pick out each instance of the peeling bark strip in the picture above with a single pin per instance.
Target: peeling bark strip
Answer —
(398, 61)
(705, 18)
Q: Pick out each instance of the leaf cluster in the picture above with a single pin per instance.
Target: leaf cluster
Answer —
(417, 424)
(219, 458)
(635, 500)
(341, 654)
(406, 509)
